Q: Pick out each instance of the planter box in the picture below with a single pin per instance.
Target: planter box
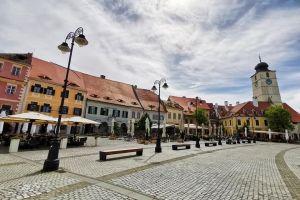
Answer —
(98, 141)
(14, 145)
(90, 141)
(63, 143)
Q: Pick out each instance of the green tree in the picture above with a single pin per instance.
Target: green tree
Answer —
(200, 116)
(279, 118)
(141, 124)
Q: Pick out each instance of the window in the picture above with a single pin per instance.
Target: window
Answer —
(267, 75)
(15, 71)
(33, 106)
(46, 108)
(77, 111)
(1, 66)
(155, 117)
(133, 114)
(266, 123)
(116, 113)
(11, 89)
(248, 122)
(66, 95)
(239, 122)
(169, 115)
(49, 91)
(230, 122)
(7, 109)
(64, 110)
(225, 123)
(138, 115)
(179, 116)
(256, 122)
(79, 97)
(174, 115)
(186, 121)
(92, 110)
(37, 88)
(125, 114)
(104, 111)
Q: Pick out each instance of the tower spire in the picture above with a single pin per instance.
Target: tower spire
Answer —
(259, 57)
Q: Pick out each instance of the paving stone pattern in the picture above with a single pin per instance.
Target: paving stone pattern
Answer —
(34, 185)
(93, 192)
(292, 159)
(243, 173)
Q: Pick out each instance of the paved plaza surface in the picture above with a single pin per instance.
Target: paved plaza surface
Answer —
(240, 171)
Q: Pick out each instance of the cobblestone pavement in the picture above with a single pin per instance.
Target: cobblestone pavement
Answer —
(245, 171)
(292, 159)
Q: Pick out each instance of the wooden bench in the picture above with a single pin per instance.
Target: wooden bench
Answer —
(104, 153)
(175, 146)
(209, 143)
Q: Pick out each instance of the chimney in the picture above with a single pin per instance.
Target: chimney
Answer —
(102, 76)
(183, 96)
(237, 103)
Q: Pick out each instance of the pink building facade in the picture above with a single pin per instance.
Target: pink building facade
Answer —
(14, 72)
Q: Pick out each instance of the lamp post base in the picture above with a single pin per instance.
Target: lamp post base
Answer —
(52, 162)
(219, 142)
(157, 149)
(197, 143)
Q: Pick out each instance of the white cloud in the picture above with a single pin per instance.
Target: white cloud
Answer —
(206, 48)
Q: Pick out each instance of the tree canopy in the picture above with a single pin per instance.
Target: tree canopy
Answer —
(279, 119)
(200, 116)
(141, 124)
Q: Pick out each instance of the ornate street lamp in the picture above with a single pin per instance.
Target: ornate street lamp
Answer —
(52, 161)
(160, 83)
(197, 136)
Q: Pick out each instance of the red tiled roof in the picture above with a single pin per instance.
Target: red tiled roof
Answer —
(149, 100)
(54, 73)
(247, 109)
(189, 104)
(24, 58)
(294, 114)
(108, 91)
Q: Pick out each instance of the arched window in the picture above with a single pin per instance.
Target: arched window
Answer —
(267, 74)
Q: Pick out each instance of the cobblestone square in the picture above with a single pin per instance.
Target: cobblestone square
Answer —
(241, 171)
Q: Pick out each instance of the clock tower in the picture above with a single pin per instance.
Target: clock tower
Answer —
(264, 84)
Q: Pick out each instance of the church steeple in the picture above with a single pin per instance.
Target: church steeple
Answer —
(261, 66)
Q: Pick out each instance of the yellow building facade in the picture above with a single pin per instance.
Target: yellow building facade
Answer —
(44, 92)
(175, 113)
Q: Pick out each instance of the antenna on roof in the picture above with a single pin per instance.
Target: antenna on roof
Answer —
(259, 57)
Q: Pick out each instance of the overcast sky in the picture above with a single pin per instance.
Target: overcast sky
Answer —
(205, 48)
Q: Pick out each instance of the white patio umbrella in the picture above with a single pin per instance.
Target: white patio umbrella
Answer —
(286, 135)
(28, 116)
(112, 125)
(147, 126)
(129, 127)
(164, 130)
(49, 128)
(33, 129)
(132, 127)
(3, 114)
(25, 127)
(215, 129)
(245, 131)
(202, 130)
(270, 134)
(79, 120)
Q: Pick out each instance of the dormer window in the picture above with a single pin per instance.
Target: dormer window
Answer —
(45, 77)
(73, 84)
(134, 103)
(121, 100)
(107, 98)
(94, 95)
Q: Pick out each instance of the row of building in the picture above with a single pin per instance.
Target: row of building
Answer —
(31, 84)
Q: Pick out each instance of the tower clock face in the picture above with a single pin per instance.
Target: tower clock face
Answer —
(269, 81)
